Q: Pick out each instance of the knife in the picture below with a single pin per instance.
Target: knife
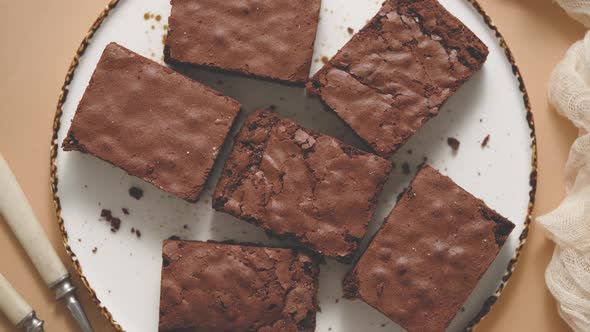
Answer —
(19, 215)
(17, 310)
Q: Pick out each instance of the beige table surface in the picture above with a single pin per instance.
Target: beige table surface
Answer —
(39, 38)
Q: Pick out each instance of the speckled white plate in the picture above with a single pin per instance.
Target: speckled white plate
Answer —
(124, 271)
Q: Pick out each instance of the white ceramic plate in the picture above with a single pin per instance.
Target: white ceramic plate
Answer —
(124, 272)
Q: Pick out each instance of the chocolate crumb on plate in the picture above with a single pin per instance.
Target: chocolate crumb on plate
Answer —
(350, 30)
(125, 211)
(94, 250)
(138, 233)
(485, 141)
(136, 192)
(406, 168)
(453, 143)
(113, 221)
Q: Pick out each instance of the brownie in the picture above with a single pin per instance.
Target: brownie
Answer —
(398, 71)
(151, 122)
(298, 184)
(271, 39)
(218, 287)
(429, 254)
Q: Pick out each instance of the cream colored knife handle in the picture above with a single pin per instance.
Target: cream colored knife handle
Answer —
(17, 212)
(12, 304)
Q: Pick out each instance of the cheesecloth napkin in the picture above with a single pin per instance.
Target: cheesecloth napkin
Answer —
(568, 274)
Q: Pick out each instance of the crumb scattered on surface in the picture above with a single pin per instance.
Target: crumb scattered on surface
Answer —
(85, 186)
(453, 143)
(350, 30)
(337, 300)
(94, 250)
(325, 59)
(185, 226)
(158, 18)
(406, 168)
(136, 192)
(113, 221)
(485, 141)
(480, 120)
(146, 16)
(409, 151)
(174, 237)
(383, 324)
(272, 107)
(138, 233)
(125, 211)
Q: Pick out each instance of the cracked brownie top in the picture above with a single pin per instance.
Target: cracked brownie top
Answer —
(396, 73)
(152, 122)
(299, 184)
(216, 287)
(429, 254)
(271, 39)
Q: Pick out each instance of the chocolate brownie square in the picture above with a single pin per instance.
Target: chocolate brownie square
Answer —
(398, 71)
(271, 39)
(296, 183)
(218, 287)
(151, 122)
(429, 254)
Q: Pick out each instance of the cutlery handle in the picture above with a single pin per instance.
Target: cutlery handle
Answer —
(19, 215)
(11, 303)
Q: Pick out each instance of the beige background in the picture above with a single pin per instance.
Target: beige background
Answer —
(39, 38)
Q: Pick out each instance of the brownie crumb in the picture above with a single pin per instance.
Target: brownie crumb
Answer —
(406, 168)
(410, 151)
(138, 233)
(453, 143)
(485, 141)
(132, 229)
(337, 300)
(80, 240)
(383, 324)
(174, 237)
(272, 107)
(136, 192)
(325, 59)
(185, 226)
(94, 250)
(125, 211)
(113, 221)
(350, 30)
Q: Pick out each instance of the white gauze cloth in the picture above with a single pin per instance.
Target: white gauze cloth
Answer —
(568, 274)
(577, 9)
